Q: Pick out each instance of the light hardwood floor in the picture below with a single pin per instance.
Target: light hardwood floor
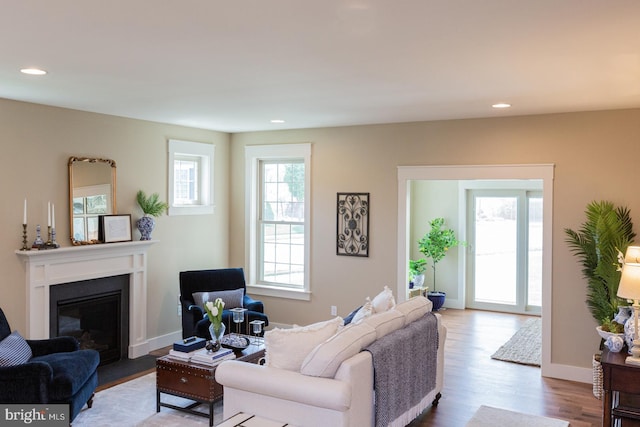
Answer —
(472, 378)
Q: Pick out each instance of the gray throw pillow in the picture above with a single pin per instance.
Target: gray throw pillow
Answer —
(14, 350)
(232, 299)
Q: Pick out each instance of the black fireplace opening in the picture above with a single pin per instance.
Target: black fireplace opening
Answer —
(95, 312)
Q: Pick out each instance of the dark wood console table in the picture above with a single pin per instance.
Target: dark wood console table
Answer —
(619, 377)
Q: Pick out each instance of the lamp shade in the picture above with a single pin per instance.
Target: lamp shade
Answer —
(629, 287)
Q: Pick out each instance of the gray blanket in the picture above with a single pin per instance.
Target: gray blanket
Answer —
(404, 364)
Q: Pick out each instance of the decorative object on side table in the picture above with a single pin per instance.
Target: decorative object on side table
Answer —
(417, 268)
(597, 245)
(151, 207)
(435, 245)
(629, 289)
(353, 224)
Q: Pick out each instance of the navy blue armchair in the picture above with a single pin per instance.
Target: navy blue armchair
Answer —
(194, 320)
(58, 372)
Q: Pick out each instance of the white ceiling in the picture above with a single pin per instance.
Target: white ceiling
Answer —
(234, 65)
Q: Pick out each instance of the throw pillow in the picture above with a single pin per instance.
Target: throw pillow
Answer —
(287, 348)
(350, 316)
(414, 308)
(232, 298)
(383, 301)
(365, 311)
(14, 350)
(327, 357)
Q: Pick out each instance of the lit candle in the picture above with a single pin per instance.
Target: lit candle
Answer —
(48, 214)
(24, 217)
(53, 216)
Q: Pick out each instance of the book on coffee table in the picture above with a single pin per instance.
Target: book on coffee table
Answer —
(212, 358)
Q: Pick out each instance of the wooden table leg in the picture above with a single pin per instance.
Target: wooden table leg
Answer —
(606, 417)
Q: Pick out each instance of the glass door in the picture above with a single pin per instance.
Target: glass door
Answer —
(505, 268)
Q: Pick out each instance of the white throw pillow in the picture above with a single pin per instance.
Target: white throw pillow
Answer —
(365, 311)
(327, 357)
(287, 348)
(387, 322)
(414, 308)
(383, 301)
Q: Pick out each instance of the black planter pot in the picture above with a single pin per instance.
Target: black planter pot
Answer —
(437, 298)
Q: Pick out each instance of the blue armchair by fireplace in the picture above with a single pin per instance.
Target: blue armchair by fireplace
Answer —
(46, 371)
(194, 321)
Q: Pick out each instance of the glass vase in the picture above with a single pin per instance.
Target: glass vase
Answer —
(216, 333)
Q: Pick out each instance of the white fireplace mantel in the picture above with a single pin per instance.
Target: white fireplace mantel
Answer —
(50, 267)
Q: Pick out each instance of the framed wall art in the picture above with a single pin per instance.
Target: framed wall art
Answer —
(114, 228)
(353, 224)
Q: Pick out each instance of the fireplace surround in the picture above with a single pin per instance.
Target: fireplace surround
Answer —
(47, 268)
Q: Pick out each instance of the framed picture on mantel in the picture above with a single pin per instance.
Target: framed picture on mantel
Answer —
(114, 228)
(353, 224)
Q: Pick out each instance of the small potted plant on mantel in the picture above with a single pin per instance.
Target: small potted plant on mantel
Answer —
(435, 245)
(151, 207)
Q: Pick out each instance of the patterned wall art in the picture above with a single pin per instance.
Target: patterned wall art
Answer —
(353, 224)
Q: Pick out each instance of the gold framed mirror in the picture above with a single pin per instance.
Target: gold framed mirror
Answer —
(92, 192)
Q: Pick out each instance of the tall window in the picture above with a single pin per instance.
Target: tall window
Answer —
(278, 219)
(190, 178)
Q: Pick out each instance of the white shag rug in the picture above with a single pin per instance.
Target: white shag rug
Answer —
(134, 404)
(487, 416)
(525, 346)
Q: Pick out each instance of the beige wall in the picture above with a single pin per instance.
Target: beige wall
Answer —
(37, 141)
(595, 154)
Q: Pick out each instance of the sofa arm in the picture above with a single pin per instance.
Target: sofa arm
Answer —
(53, 345)
(252, 304)
(26, 383)
(286, 385)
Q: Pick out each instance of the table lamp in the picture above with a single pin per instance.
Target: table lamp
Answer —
(629, 289)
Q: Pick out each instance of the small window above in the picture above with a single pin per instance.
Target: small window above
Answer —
(190, 178)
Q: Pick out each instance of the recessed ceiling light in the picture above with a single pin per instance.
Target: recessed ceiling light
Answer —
(501, 105)
(33, 71)
(277, 121)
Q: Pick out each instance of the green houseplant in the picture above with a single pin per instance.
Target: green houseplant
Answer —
(417, 267)
(607, 230)
(435, 245)
(151, 206)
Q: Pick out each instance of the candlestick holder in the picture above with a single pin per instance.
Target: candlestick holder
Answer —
(24, 238)
(38, 243)
(51, 239)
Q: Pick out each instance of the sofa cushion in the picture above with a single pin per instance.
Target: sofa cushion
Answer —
(349, 318)
(414, 308)
(287, 348)
(326, 358)
(232, 298)
(14, 350)
(386, 322)
(383, 301)
(365, 311)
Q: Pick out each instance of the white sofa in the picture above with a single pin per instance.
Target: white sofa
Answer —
(339, 390)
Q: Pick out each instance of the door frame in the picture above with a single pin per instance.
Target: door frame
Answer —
(545, 172)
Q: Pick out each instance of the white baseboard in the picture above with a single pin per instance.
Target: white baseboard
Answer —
(568, 372)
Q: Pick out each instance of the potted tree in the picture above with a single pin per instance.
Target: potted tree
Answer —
(607, 231)
(435, 245)
(151, 207)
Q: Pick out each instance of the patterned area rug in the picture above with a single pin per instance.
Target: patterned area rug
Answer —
(525, 346)
(134, 404)
(487, 416)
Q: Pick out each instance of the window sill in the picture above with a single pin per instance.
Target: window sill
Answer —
(190, 210)
(272, 291)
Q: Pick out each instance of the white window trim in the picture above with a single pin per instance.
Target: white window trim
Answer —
(253, 155)
(197, 149)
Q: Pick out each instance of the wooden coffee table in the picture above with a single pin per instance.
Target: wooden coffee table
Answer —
(195, 381)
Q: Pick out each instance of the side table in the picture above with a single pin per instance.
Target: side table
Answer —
(195, 381)
(618, 377)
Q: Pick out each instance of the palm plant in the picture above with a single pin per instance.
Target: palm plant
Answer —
(606, 231)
